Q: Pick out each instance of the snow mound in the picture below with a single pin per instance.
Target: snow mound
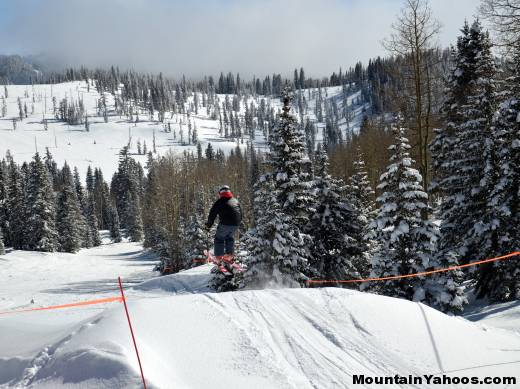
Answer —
(286, 338)
(195, 280)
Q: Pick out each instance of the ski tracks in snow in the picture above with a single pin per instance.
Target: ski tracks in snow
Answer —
(304, 345)
(45, 356)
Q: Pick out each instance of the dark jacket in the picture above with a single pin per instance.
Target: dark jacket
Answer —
(228, 211)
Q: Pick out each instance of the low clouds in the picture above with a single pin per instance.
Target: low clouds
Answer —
(206, 37)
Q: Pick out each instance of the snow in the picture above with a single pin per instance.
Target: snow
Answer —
(504, 315)
(100, 146)
(52, 278)
(190, 337)
(501, 315)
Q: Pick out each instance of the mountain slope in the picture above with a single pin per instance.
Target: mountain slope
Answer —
(285, 338)
(99, 146)
(17, 70)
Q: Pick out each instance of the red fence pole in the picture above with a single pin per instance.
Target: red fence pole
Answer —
(131, 331)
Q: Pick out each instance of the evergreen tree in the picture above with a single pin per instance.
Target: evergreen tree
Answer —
(2, 248)
(41, 228)
(135, 224)
(210, 154)
(93, 237)
(69, 213)
(4, 107)
(461, 151)
(90, 181)
(16, 206)
(86, 240)
(101, 195)
(500, 230)
(406, 242)
(335, 228)
(115, 228)
(199, 151)
(359, 190)
(197, 238)
(4, 212)
(276, 248)
(360, 194)
(291, 166)
(20, 109)
(52, 168)
(154, 224)
(126, 188)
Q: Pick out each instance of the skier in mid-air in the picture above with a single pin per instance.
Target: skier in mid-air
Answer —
(229, 212)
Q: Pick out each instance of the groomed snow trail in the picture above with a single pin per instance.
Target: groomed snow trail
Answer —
(59, 278)
(33, 279)
(192, 338)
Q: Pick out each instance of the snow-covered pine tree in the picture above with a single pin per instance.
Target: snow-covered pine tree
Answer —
(126, 187)
(359, 190)
(500, 281)
(16, 207)
(4, 107)
(2, 247)
(460, 152)
(4, 220)
(115, 228)
(41, 227)
(101, 194)
(197, 239)
(135, 223)
(90, 181)
(477, 141)
(335, 228)
(52, 169)
(405, 241)
(292, 168)
(86, 240)
(69, 226)
(360, 194)
(152, 218)
(92, 225)
(276, 248)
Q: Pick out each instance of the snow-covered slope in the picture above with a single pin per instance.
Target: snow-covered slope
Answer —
(285, 338)
(100, 146)
(59, 278)
(503, 315)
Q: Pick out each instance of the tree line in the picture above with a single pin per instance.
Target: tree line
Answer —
(46, 208)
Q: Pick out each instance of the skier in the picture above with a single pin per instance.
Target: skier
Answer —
(230, 215)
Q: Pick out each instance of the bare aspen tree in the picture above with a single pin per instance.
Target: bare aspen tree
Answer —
(504, 17)
(414, 40)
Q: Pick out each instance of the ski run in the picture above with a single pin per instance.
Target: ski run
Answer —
(191, 337)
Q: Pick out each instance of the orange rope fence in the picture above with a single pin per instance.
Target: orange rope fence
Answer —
(78, 304)
(424, 273)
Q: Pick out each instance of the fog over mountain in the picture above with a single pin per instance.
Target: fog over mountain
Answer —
(200, 37)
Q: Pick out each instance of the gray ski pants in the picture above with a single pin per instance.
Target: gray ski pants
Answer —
(225, 239)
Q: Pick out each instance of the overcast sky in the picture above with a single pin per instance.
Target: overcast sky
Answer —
(208, 36)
